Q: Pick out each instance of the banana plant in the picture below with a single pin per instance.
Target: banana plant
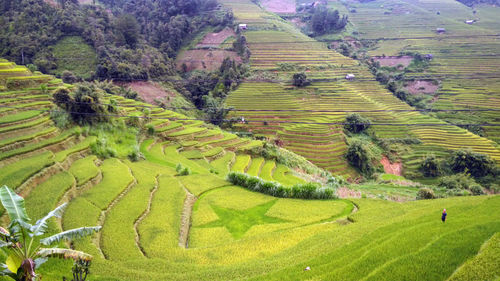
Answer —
(23, 244)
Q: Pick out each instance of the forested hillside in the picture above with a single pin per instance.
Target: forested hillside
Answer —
(130, 40)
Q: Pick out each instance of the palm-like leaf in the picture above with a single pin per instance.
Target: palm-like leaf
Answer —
(13, 203)
(70, 235)
(41, 225)
(64, 254)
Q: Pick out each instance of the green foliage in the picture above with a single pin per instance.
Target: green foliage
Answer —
(127, 29)
(22, 245)
(300, 79)
(356, 123)
(285, 157)
(182, 171)
(84, 106)
(324, 20)
(114, 140)
(303, 191)
(477, 164)
(430, 166)
(69, 68)
(459, 182)
(425, 193)
(362, 156)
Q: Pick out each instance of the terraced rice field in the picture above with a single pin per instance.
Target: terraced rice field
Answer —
(158, 225)
(465, 57)
(278, 110)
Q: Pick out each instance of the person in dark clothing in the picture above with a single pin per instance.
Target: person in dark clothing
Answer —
(443, 216)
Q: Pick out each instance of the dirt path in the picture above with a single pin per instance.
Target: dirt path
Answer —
(392, 168)
(143, 216)
(186, 218)
(102, 218)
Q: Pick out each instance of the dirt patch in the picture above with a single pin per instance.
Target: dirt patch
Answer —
(394, 61)
(148, 91)
(279, 6)
(345, 192)
(422, 87)
(392, 168)
(204, 59)
(215, 39)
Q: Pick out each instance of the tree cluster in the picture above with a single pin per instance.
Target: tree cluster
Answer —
(138, 41)
(323, 20)
(83, 106)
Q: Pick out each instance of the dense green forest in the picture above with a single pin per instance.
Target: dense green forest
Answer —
(133, 41)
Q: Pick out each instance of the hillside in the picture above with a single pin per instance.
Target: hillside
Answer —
(309, 120)
(160, 225)
(181, 199)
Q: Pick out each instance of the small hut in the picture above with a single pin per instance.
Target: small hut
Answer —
(469, 21)
(350, 77)
(440, 30)
(242, 26)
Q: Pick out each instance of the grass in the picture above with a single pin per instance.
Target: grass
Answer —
(222, 164)
(61, 156)
(119, 224)
(44, 197)
(15, 174)
(64, 52)
(34, 146)
(115, 178)
(23, 115)
(84, 169)
(198, 184)
(255, 166)
(25, 125)
(241, 163)
(158, 240)
(484, 266)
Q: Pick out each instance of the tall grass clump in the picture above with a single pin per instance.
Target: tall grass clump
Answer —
(301, 191)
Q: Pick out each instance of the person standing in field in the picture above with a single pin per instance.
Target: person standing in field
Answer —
(443, 216)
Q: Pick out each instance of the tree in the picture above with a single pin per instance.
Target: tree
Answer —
(128, 29)
(21, 242)
(477, 164)
(300, 79)
(360, 157)
(356, 123)
(215, 109)
(430, 166)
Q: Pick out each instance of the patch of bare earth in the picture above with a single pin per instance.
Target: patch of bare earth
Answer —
(345, 192)
(394, 61)
(215, 39)
(148, 91)
(422, 87)
(392, 168)
(204, 59)
(279, 6)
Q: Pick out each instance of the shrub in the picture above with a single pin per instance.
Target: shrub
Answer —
(425, 193)
(477, 164)
(360, 156)
(430, 166)
(356, 123)
(61, 119)
(303, 191)
(181, 170)
(300, 79)
(461, 182)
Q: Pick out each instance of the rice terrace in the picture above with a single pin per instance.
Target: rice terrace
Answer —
(250, 140)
